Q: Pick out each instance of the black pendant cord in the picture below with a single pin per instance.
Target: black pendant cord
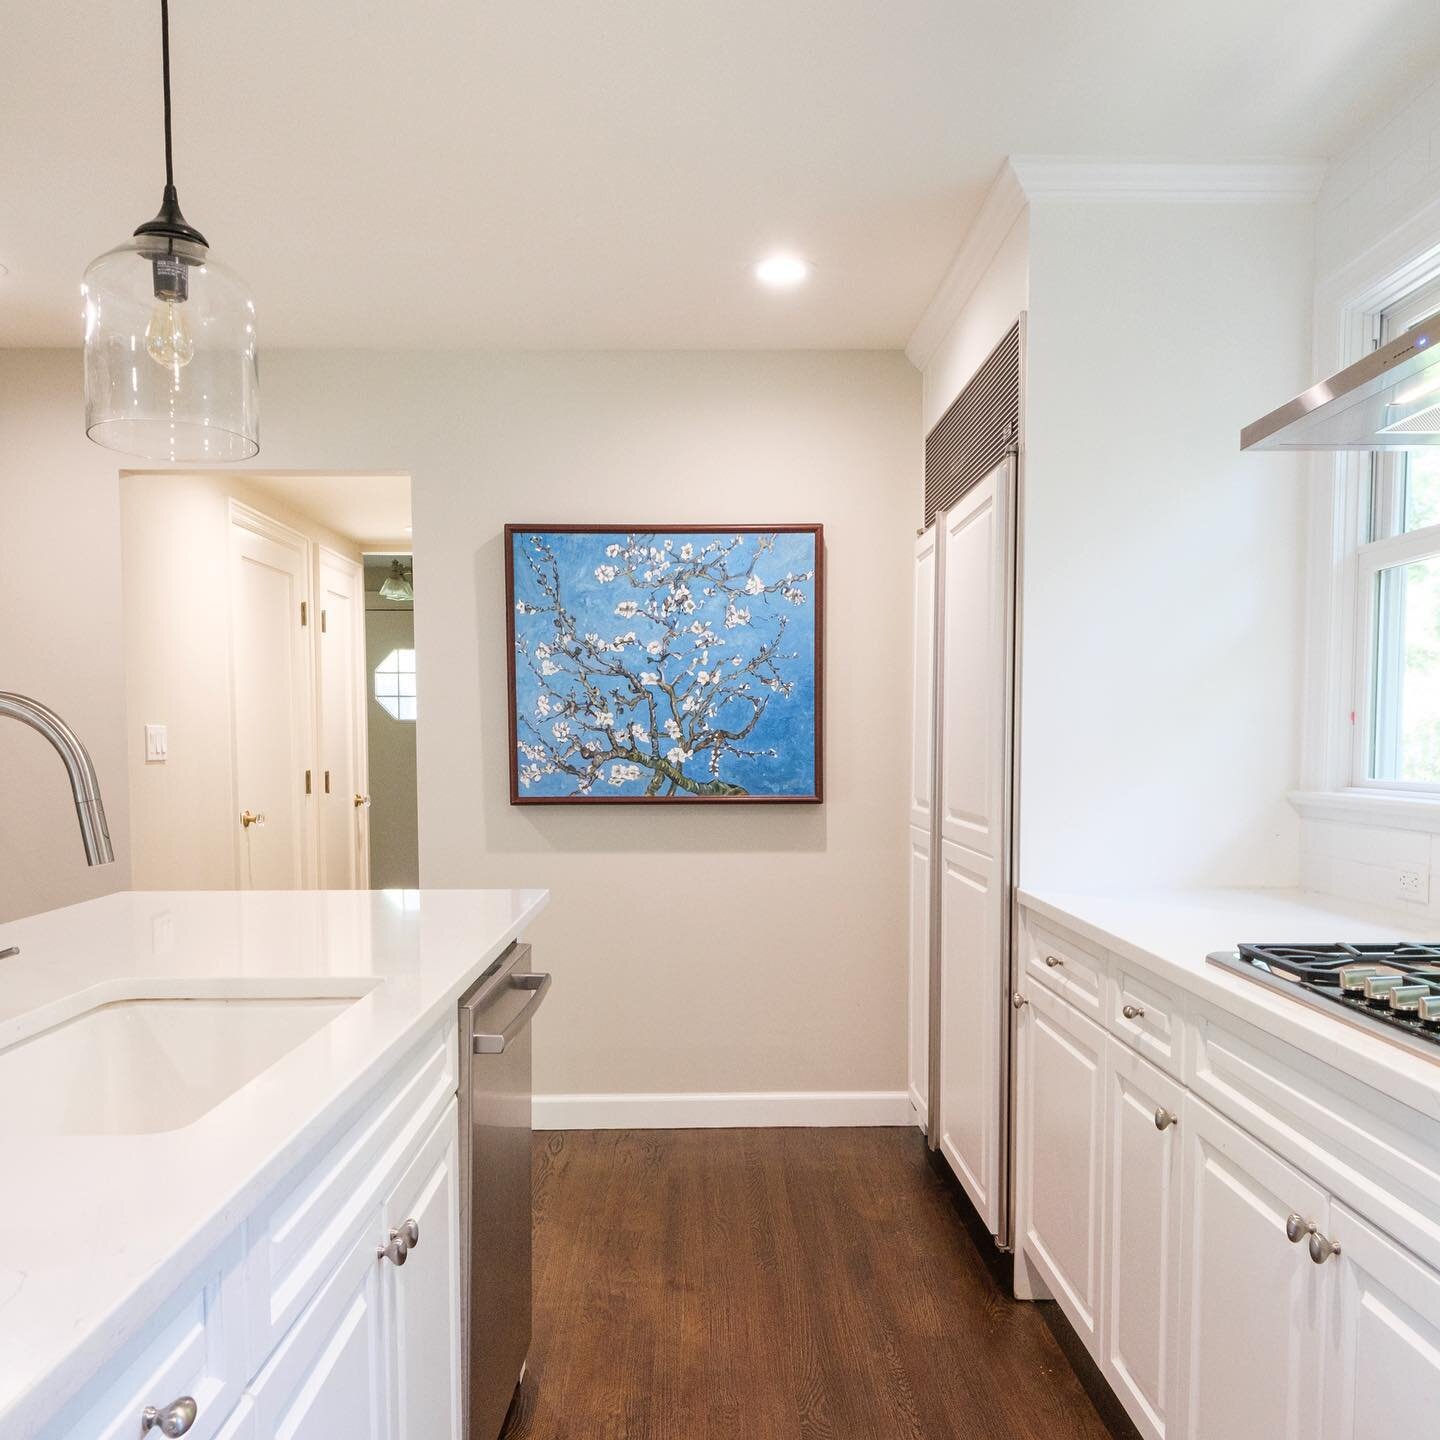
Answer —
(165, 74)
(169, 222)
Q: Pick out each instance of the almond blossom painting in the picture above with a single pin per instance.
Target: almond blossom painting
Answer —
(665, 664)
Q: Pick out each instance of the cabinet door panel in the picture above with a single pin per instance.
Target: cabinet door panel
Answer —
(328, 1376)
(922, 708)
(1253, 1301)
(970, 979)
(1382, 1370)
(424, 1295)
(1062, 1147)
(919, 988)
(1142, 1236)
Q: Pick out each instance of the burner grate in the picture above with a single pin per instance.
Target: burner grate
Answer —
(1356, 981)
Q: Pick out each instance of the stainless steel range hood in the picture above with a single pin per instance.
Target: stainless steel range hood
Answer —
(1390, 400)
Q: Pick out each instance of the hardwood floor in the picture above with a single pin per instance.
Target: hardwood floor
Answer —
(770, 1284)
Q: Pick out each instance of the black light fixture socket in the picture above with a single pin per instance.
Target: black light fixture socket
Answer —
(170, 223)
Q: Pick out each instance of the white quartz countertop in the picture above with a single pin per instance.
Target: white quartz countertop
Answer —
(1171, 933)
(100, 1228)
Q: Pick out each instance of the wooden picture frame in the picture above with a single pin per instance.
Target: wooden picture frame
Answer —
(706, 685)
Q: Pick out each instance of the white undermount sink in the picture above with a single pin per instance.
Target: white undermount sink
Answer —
(140, 1066)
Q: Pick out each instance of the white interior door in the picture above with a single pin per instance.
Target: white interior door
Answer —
(974, 676)
(344, 797)
(270, 700)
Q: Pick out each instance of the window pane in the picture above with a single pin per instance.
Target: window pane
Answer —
(1406, 710)
(1422, 488)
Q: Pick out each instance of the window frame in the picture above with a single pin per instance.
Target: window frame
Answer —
(1337, 726)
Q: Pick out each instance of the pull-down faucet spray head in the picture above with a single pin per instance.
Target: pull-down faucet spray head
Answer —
(84, 784)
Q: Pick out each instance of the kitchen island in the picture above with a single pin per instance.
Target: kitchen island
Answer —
(213, 1108)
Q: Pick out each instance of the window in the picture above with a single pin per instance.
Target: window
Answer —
(1398, 575)
(395, 684)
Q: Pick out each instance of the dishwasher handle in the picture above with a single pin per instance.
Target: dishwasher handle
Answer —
(481, 1044)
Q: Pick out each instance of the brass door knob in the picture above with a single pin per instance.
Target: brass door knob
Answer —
(361, 801)
(249, 818)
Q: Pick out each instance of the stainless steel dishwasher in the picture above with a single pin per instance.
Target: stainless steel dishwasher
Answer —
(495, 1185)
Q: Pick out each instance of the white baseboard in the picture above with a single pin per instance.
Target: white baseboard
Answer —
(918, 1109)
(737, 1109)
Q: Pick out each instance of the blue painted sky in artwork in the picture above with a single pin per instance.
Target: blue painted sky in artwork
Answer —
(787, 725)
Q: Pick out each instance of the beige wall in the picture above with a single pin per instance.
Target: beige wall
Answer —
(693, 950)
(175, 546)
(59, 631)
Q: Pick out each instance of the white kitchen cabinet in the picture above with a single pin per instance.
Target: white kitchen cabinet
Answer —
(1382, 1350)
(422, 1297)
(333, 1337)
(1253, 1303)
(1143, 1209)
(919, 965)
(922, 708)
(329, 1376)
(973, 753)
(195, 1348)
(1061, 1151)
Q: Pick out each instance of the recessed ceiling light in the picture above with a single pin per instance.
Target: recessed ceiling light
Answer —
(782, 272)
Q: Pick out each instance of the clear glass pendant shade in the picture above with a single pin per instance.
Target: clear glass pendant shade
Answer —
(170, 363)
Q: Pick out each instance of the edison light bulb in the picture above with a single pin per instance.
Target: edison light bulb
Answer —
(167, 337)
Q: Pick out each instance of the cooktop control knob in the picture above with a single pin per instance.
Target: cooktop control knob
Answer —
(1405, 999)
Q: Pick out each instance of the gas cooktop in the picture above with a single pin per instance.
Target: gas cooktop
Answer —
(1389, 989)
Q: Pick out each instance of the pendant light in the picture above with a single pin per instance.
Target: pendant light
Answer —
(170, 365)
(397, 585)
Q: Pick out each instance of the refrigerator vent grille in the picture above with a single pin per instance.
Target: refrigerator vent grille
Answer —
(971, 437)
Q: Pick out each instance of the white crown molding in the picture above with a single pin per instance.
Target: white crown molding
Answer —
(1058, 177)
(1003, 204)
(1024, 178)
(686, 1111)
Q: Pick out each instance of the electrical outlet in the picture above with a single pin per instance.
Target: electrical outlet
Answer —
(1414, 883)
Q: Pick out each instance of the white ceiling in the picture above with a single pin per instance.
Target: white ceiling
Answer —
(601, 173)
(372, 509)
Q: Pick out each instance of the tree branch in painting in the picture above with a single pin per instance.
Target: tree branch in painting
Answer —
(663, 703)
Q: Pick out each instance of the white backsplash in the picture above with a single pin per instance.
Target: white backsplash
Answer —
(1364, 863)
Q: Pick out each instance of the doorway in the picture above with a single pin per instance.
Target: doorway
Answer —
(392, 710)
(250, 689)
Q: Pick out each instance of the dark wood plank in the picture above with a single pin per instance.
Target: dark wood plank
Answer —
(775, 1285)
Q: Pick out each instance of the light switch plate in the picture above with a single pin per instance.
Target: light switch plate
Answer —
(157, 743)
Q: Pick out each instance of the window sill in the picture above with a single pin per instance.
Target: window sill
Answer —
(1368, 807)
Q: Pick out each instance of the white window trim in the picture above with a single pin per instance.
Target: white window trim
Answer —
(1349, 303)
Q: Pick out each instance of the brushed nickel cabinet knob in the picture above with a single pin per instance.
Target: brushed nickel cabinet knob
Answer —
(1164, 1118)
(175, 1419)
(396, 1252)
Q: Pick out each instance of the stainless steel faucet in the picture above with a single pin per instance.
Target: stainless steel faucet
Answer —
(84, 784)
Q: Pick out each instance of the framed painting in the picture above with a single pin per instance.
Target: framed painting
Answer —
(665, 664)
